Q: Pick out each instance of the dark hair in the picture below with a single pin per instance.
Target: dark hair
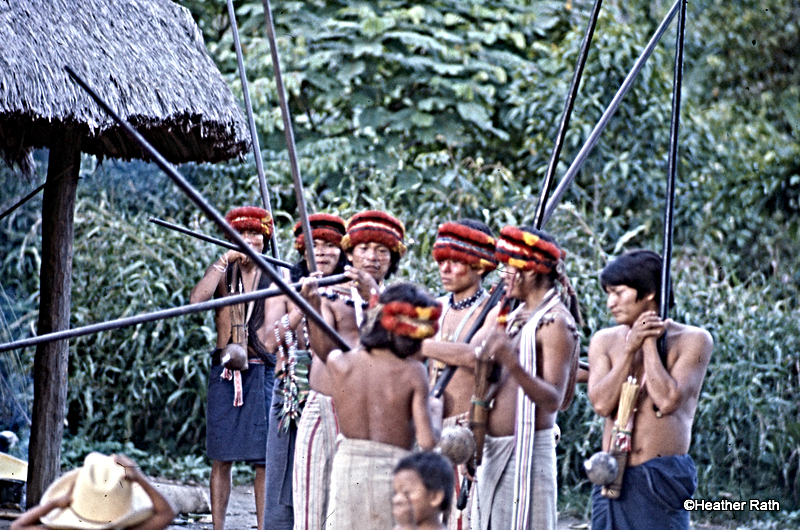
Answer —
(435, 471)
(300, 269)
(374, 335)
(475, 225)
(395, 260)
(639, 269)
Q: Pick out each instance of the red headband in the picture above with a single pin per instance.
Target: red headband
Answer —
(374, 226)
(324, 226)
(527, 251)
(250, 218)
(461, 243)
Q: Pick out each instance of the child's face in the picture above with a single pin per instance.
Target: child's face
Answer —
(412, 503)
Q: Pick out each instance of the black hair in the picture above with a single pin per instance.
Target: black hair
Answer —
(374, 335)
(436, 473)
(393, 264)
(639, 269)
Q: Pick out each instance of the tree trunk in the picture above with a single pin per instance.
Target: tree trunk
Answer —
(52, 359)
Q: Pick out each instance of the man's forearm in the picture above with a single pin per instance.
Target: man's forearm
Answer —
(452, 353)
(538, 390)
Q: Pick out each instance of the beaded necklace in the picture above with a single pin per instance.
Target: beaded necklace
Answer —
(466, 302)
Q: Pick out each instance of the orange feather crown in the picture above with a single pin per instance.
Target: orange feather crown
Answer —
(416, 322)
(527, 251)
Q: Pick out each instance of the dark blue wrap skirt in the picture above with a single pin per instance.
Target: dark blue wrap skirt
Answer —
(652, 497)
(239, 434)
(279, 513)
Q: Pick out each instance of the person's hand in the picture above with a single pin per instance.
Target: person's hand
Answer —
(498, 347)
(309, 289)
(234, 256)
(132, 470)
(63, 500)
(647, 327)
(364, 282)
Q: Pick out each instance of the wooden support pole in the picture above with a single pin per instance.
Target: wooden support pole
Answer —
(52, 360)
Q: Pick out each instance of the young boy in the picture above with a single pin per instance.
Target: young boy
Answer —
(423, 491)
(373, 243)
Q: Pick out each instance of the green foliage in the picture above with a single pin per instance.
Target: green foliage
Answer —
(747, 431)
(762, 41)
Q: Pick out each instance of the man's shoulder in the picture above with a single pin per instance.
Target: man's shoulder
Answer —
(688, 334)
(608, 335)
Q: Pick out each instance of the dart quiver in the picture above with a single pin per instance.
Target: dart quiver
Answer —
(621, 435)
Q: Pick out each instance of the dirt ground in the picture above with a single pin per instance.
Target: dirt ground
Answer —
(242, 516)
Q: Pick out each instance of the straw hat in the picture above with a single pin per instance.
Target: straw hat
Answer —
(101, 497)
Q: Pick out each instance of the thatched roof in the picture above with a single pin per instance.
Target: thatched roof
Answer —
(146, 58)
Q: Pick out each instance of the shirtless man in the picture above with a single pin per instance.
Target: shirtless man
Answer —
(374, 245)
(291, 370)
(381, 400)
(538, 350)
(464, 252)
(660, 474)
(237, 422)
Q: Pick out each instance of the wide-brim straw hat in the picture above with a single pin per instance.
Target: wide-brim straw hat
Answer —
(102, 498)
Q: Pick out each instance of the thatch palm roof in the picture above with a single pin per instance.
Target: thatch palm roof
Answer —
(146, 58)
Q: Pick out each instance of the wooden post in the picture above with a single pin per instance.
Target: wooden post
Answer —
(52, 359)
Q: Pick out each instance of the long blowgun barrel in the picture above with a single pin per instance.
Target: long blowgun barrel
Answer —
(209, 239)
(160, 315)
(290, 144)
(594, 136)
(538, 218)
(213, 214)
(669, 206)
(262, 180)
